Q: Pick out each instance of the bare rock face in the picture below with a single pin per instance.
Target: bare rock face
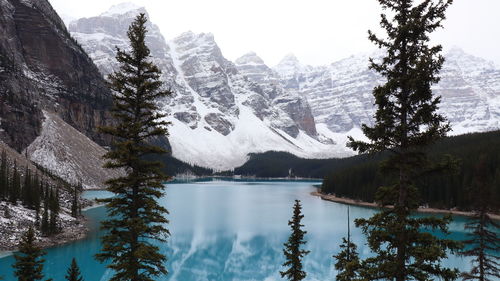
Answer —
(219, 123)
(206, 71)
(42, 67)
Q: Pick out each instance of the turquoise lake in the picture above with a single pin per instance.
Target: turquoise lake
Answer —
(232, 230)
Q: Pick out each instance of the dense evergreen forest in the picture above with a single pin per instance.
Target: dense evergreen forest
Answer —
(22, 186)
(360, 177)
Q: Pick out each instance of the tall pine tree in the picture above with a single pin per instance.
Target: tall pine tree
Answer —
(4, 176)
(74, 201)
(26, 194)
(73, 273)
(54, 211)
(29, 261)
(15, 185)
(136, 220)
(484, 242)
(406, 122)
(348, 265)
(292, 251)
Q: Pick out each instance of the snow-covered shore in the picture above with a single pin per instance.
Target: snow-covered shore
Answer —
(16, 219)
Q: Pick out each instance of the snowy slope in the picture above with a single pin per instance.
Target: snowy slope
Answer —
(69, 154)
(16, 218)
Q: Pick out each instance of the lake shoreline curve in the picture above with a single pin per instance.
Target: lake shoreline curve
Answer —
(348, 201)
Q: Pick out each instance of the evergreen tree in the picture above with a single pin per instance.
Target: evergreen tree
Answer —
(74, 201)
(4, 176)
(136, 219)
(54, 211)
(484, 242)
(6, 212)
(15, 186)
(44, 227)
(73, 273)
(406, 123)
(292, 251)
(36, 192)
(26, 189)
(348, 264)
(29, 261)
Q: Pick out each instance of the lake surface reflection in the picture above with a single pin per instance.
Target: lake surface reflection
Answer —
(232, 230)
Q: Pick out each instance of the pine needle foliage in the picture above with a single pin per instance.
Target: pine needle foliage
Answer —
(406, 123)
(136, 220)
(348, 264)
(29, 261)
(483, 243)
(4, 176)
(73, 273)
(292, 251)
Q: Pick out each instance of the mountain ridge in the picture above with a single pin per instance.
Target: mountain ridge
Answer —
(306, 110)
(213, 100)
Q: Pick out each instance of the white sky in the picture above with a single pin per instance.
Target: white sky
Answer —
(316, 31)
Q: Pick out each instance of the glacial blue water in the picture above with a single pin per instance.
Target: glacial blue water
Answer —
(231, 230)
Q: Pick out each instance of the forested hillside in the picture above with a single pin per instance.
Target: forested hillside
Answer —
(360, 177)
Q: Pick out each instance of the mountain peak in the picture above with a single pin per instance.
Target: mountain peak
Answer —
(455, 50)
(289, 66)
(122, 8)
(249, 58)
(289, 59)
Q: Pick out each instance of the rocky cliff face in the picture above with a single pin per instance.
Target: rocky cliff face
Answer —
(289, 101)
(43, 68)
(220, 112)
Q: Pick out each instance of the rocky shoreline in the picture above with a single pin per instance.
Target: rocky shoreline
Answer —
(333, 198)
(13, 227)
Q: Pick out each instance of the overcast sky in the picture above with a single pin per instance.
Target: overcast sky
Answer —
(316, 31)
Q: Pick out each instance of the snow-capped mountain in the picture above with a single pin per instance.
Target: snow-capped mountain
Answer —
(340, 94)
(220, 112)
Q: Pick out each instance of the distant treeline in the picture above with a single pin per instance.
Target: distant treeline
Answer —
(360, 179)
(283, 164)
